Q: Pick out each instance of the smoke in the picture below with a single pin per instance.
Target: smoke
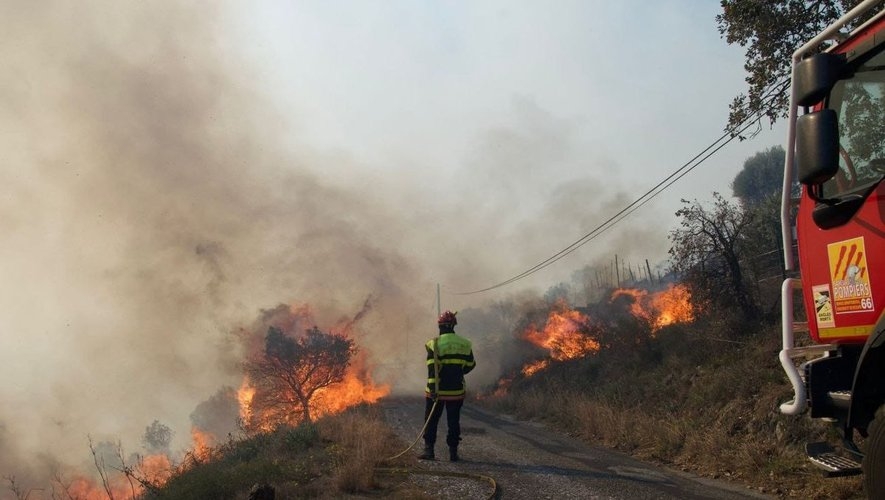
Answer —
(153, 204)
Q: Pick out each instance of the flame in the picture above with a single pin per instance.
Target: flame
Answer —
(83, 488)
(660, 309)
(563, 336)
(244, 397)
(203, 443)
(673, 306)
(534, 367)
(566, 333)
(156, 469)
(356, 388)
(637, 306)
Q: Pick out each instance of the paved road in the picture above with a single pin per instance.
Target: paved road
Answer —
(528, 461)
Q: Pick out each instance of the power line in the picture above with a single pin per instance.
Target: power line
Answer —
(647, 196)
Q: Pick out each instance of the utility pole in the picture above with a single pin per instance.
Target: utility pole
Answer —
(650, 277)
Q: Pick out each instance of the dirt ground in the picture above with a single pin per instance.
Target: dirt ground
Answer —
(525, 460)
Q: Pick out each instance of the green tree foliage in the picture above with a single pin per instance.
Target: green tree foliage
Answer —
(765, 260)
(290, 371)
(758, 186)
(157, 438)
(771, 30)
(761, 177)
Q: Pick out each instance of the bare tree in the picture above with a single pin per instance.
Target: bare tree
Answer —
(101, 467)
(20, 494)
(708, 249)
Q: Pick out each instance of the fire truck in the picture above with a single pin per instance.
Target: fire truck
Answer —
(836, 150)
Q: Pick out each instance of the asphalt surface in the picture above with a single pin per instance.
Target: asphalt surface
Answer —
(528, 461)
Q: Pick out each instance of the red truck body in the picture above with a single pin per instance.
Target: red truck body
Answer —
(836, 150)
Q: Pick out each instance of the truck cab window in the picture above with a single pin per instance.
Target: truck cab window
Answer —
(860, 103)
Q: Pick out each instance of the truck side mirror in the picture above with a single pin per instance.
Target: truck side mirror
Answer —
(814, 77)
(817, 146)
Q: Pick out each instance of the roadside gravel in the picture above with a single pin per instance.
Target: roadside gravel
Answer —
(528, 461)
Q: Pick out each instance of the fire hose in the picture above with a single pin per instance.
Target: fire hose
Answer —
(413, 470)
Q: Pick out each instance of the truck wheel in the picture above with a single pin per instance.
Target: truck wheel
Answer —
(874, 457)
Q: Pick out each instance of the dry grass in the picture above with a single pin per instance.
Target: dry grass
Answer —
(690, 401)
(362, 441)
(684, 400)
(332, 458)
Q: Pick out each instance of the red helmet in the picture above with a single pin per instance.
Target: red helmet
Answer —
(448, 318)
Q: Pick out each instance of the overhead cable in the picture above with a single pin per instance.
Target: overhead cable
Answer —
(687, 167)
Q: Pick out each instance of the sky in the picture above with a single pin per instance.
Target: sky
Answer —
(530, 114)
(171, 170)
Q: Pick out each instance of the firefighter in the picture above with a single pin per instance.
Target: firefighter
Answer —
(449, 358)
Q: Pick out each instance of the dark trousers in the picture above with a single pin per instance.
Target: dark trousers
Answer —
(453, 419)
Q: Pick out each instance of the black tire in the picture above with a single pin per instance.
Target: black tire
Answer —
(874, 457)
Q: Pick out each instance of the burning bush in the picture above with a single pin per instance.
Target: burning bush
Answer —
(565, 335)
(302, 372)
(291, 371)
(629, 318)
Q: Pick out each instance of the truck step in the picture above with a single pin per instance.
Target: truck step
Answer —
(840, 399)
(825, 457)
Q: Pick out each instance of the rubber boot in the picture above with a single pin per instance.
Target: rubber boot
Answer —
(428, 453)
(453, 454)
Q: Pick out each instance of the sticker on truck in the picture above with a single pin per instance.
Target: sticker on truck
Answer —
(823, 306)
(852, 292)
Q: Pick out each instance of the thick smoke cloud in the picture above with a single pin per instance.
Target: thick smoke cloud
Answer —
(147, 212)
(152, 203)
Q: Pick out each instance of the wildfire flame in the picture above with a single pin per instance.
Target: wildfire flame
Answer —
(357, 387)
(673, 306)
(660, 309)
(203, 443)
(563, 337)
(531, 368)
(154, 469)
(157, 468)
(244, 398)
(566, 333)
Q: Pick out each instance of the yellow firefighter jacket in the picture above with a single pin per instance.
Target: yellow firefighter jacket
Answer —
(452, 360)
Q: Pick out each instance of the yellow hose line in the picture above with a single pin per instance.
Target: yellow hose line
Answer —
(391, 470)
(435, 402)
(444, 473)
(406, 470)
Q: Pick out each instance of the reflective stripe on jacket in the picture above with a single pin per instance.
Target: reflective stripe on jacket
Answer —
(455, 355)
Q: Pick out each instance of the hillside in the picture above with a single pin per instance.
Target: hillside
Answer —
(701, 397)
